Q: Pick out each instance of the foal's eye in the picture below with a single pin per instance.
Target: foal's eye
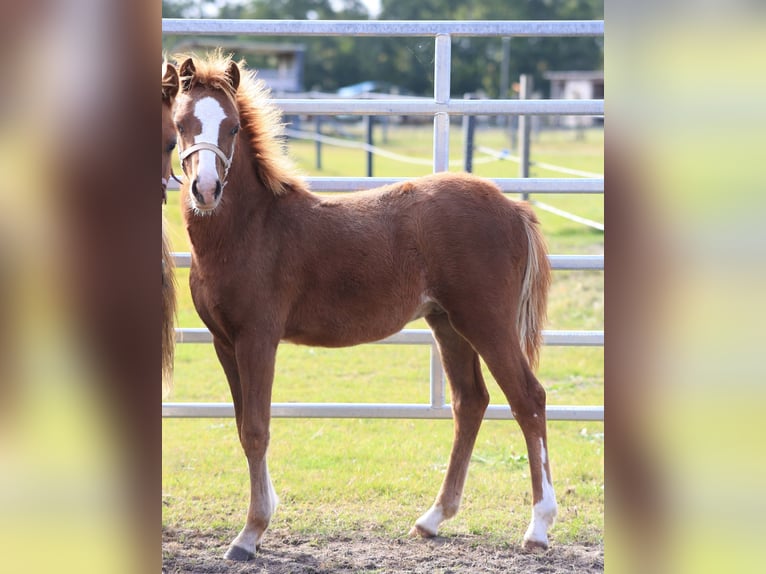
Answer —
(234, 130)
(180, 128)
(170, 146)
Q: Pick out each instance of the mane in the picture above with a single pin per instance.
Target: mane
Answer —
(260, 120)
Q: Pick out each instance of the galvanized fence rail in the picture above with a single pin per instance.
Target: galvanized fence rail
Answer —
(441, 108)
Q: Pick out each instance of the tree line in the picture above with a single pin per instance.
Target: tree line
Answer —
(332, 62)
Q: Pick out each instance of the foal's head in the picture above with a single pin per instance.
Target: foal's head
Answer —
(207, 120)
(170, 87)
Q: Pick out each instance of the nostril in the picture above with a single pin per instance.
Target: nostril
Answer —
(218, 190)
(195, 192)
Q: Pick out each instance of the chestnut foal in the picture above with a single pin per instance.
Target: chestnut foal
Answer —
(272, 261)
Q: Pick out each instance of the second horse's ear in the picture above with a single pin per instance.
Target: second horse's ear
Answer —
(232, 74)
(170, 83)
(187, 71)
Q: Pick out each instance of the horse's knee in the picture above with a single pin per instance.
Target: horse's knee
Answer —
(474, 402)
(254, 442)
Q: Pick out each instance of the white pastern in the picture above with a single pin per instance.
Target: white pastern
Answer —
(210, 115)
(431, 520)
(544, 512)
(273, 498)
(248, 540)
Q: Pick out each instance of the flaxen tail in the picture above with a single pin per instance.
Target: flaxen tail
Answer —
(534, 291)
(168, 310)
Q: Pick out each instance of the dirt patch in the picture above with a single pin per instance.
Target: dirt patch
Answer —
(283, 553)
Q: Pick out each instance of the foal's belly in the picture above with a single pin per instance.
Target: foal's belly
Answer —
(348, 327)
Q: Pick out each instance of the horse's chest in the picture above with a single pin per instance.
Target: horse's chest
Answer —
(212, 298)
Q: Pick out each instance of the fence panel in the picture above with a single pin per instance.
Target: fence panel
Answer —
(441, 108)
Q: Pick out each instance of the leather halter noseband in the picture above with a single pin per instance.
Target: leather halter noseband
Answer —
(182, 155)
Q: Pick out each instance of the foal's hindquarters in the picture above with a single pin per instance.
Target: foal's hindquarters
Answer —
(489, 274)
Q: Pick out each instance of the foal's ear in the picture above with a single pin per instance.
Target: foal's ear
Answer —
(169, 82)
(187, 71)
(232, 75)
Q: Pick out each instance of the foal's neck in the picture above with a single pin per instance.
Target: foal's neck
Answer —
(244, 204)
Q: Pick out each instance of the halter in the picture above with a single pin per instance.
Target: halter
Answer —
(182, 155)
(165, 183)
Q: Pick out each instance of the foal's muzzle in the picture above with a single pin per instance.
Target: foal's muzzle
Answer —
(205, 194)
(200, 198)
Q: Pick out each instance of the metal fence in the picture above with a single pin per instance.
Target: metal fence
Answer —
(441, 108)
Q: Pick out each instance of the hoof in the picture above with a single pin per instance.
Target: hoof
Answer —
(418, 531)
(534, 546)
(238, 554)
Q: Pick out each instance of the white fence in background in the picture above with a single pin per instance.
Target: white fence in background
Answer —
(441, 108)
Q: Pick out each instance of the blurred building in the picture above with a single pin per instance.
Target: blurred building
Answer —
(577, 85)
(279, 64)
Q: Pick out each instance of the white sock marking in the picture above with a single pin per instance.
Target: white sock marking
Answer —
(248, 538)
(544, 512)
(431, 520)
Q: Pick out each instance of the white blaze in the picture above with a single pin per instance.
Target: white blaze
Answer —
(210, 115)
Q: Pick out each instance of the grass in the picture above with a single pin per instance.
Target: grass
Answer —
(335, 476)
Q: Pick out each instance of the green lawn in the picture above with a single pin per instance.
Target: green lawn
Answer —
(335, 476)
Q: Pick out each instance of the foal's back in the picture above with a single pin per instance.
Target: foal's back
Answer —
(436, 222)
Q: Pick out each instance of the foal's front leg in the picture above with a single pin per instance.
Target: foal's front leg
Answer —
(255, 359)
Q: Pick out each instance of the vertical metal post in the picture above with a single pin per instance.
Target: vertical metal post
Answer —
(318, 143)
(525, 90)
(384, 122)
(368, 125)
(469, 125)
(505, 81)
(442, 65)
(437, 378)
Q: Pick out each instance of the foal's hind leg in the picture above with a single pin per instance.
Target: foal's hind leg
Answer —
(469, 401)
(527, 399)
